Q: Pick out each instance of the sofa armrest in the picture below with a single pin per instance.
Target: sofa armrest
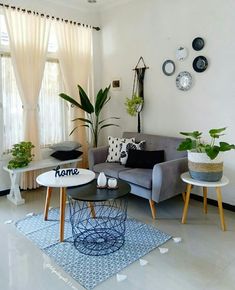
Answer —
(97, 155)
(166, 181)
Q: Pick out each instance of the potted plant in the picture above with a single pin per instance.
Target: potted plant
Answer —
(205, 160)
(92, 121)
(22, 155)
(134, 105)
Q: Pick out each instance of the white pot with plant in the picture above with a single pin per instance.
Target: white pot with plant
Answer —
(205, 160)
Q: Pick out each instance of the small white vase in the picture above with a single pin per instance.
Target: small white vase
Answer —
(101, 180)
(112, 182)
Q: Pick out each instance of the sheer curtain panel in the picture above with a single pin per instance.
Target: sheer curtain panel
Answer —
(28, 34)
(12, 112)
(75, 54)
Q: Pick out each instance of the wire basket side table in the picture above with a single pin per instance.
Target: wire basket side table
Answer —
(98, 218)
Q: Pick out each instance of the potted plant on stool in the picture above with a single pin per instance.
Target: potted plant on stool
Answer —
(205, 160)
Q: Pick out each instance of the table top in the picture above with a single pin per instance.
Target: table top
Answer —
(48, 178)
(188, 179)
(44, 163)
(90, 192)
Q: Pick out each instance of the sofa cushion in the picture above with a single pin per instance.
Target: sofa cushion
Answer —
(66, 155)
(109, 168)
(144, 159)
(66, 146)
(115, 148)
(125, 147)
(138, 176)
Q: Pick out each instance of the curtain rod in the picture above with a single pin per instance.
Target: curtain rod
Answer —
(48, 16)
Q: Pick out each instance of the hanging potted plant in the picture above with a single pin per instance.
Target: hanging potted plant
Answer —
(205, 160)
(134, 105)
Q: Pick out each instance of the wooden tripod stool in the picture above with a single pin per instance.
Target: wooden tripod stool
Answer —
(204, 184)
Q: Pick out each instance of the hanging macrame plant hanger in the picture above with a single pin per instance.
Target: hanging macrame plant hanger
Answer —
(138, 86)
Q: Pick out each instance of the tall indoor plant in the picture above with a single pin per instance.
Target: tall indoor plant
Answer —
(92, 120)
(204, 159)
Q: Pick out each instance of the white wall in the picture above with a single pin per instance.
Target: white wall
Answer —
(154, 29)
(59, 9)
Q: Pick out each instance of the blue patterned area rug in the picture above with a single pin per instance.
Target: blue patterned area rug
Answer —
(89, 271)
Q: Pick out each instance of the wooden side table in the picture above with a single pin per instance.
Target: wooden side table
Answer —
(49, 180)
(204, 184)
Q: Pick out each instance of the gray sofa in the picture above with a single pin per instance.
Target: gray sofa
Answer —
(157, 184)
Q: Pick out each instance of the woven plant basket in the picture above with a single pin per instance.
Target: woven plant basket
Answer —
(202, 168)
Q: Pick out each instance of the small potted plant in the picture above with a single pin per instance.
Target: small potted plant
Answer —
(205, 160)
(134, 105)
(22, 155)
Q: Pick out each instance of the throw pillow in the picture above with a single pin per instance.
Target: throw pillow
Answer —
(144, 159)
(125, 147)
(115, 148)
(66, 146)
(66, 155)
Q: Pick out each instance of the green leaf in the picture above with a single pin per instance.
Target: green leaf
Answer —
(186, 144)
(108, 125)
(73, 131)
(85, 102)
(212, 152)
(226, 147)
(82, 119)
(101, 100)
(116, 118)
(194, 134)
(70, 100)
(215, 133)
(98, 100)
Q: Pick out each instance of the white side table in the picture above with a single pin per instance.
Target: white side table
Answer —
(49, 180)
(204, 184)
(15, 174)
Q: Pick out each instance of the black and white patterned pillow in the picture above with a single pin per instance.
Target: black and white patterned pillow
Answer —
(125, 147)
(115, 148)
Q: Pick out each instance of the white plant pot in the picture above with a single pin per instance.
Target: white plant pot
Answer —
(201, 167)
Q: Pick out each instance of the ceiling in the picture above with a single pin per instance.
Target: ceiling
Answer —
(84, 3)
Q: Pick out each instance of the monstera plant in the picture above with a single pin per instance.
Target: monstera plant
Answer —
(92, 119)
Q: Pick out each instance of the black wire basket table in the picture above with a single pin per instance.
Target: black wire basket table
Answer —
(98, 217)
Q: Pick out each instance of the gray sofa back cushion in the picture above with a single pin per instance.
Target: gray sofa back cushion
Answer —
(156, 142)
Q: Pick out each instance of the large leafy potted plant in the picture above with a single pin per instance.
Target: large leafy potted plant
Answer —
(92, 121)
(205, 160)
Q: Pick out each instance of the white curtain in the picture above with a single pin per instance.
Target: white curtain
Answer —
(12, 112)
(28, 34)
(53, 113)
(75, 52)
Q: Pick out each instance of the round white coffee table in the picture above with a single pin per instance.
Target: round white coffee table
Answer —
(204, 184)
(49, 180)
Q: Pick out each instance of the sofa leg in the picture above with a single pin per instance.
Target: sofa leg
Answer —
(153, 208)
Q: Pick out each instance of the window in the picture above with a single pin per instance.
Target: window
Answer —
(53, 115)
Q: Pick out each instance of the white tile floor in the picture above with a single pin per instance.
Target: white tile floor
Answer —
(204, 260)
